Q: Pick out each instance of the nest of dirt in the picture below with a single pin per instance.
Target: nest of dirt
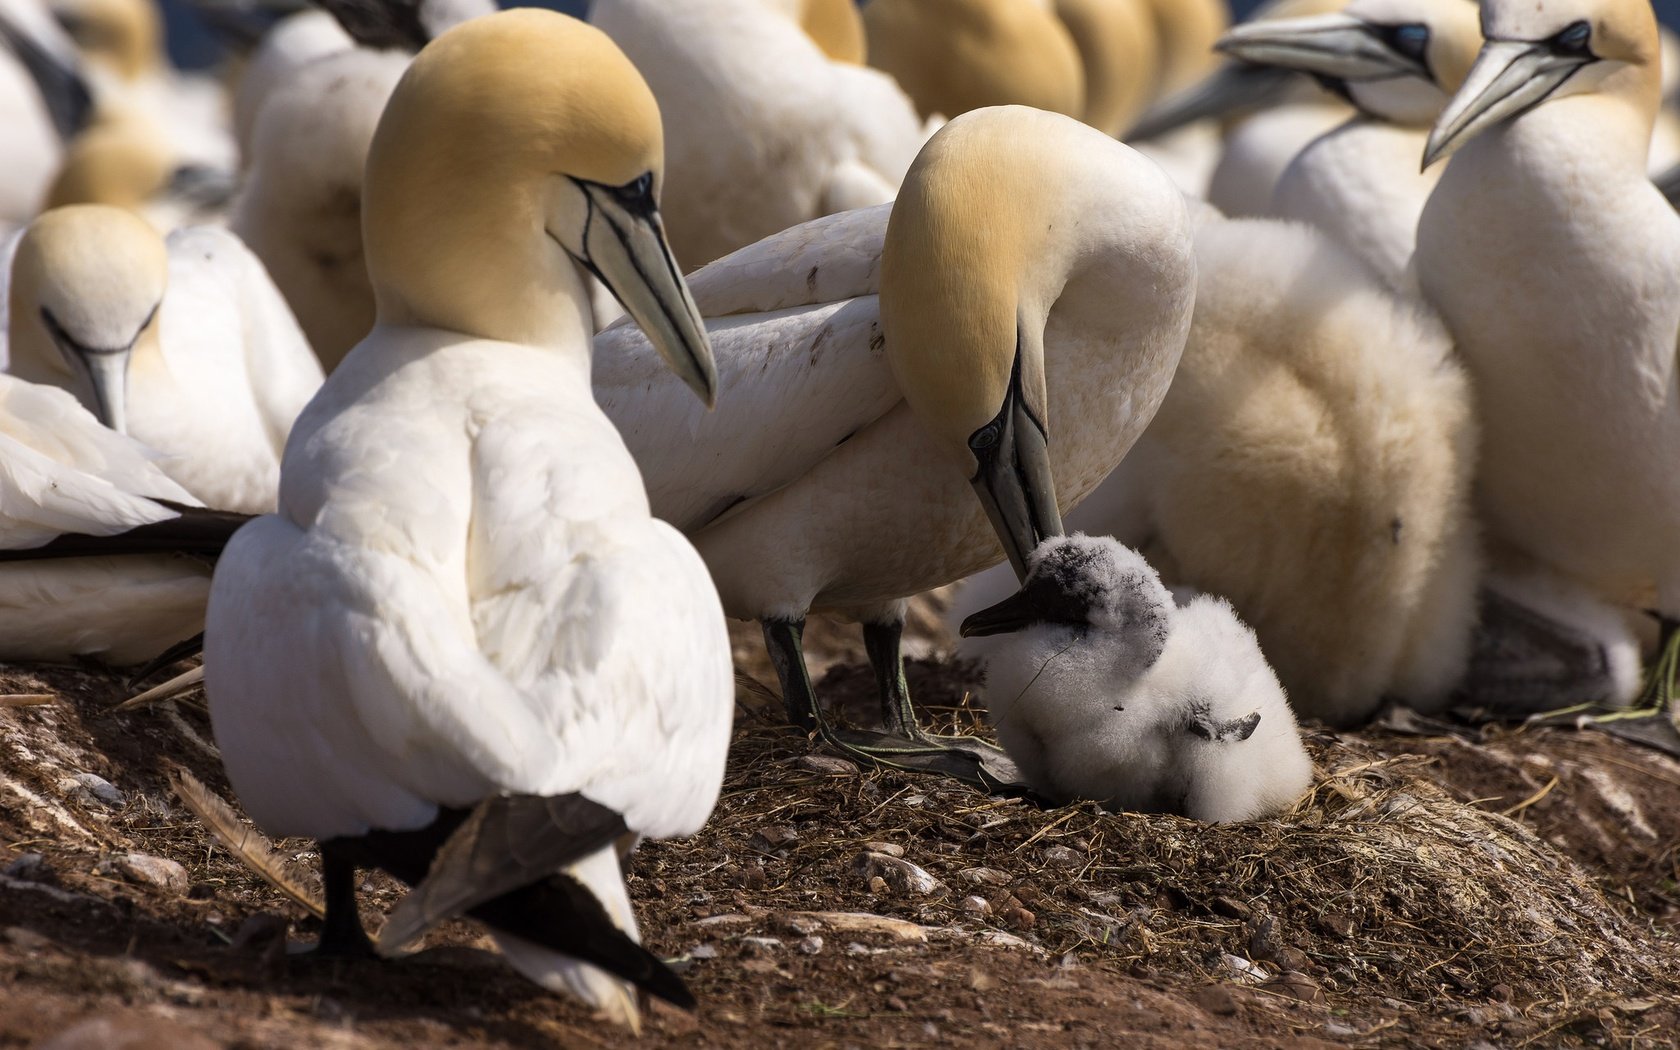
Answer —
(1510, 887)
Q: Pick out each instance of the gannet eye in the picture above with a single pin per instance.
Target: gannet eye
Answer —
(1411, 39)
(1573, 39)
(985, 437)
(637, 189)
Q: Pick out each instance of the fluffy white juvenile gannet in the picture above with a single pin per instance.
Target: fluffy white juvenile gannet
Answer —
(1397, 62)
(1100, 688)
(462, 620)
(184, 345)
(1035, 289)
(1552, 258)
(763, 130)
(65, 477)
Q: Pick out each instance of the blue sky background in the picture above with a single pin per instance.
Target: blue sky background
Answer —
(191, 47)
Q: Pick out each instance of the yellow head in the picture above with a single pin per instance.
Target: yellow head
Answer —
(87, 284)
(1120, 53)
(516, 145)
(951, 56)
(121, 162)
(836, 27)
(123, 36)
(1537, 51)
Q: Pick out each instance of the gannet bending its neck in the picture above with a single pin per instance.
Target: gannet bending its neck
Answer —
(1312, 463)
(44, 102)
(1035, 289)
(1100, 688)
(185, 345)
(61, 472)
(1397, 61)
(462, 621)
(952, 56)
(1552, 258)
(764, 131)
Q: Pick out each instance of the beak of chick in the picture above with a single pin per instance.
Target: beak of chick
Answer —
(1237, 729)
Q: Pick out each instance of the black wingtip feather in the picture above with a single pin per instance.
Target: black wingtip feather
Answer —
(196, 531)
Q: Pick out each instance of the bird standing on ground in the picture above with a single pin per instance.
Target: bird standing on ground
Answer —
(463, 651)
(1101, 688)
(1552, 259)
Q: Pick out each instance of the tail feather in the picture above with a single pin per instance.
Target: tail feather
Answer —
(194, 531)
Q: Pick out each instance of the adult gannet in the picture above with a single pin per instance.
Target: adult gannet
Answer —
(1397, 62)
(185, 345)
(44, 102)
(1552, 258)
(764, 131)
(1312, 463)
(463, 621)
(1101, 688)
(285, 50)
(62, 472)
(123, 160)
(833, 25)
(1186, 30)
(1036, 279)
(952, 56)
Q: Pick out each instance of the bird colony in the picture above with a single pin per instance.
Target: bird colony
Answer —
(447, 377)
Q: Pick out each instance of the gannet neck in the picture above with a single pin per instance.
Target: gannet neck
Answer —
(1120, 51)
(475, 151)
(1001, 214)
(1187, 30)
(833, 25)
(87, 284)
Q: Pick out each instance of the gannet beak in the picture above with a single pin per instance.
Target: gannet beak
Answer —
(1237, 729)
(1335, 46)
(1013, 479)
(62, 89)
(106, 370)
(1233, 87)
(1509, 78)
(624, 246)
(1036, 602)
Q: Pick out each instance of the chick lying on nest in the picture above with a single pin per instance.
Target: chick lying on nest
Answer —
(1101, 688)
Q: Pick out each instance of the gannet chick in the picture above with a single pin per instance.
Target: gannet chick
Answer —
(763, 130)
(44, 102)
(462, 651)
(62, 472)
(1311, 463)
(1100, 688)
(1035, 284)
(1551, 257)
(284, 51)
(952, 56)
(1397, 62)
(184, 345)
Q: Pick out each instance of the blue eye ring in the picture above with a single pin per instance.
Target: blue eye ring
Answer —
(1410, 39)
(1574, 39)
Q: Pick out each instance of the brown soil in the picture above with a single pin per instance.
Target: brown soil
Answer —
(1518, 888)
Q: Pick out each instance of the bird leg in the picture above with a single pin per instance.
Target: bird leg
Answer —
(342, 936)
(903, 745)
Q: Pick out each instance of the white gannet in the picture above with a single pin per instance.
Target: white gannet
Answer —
(1312, 463)
(1101, 688)
(1036, 279)
(764, 130)
(291, 45)
(123, 160)
(463, 631)
(1397, 62)
(44, 102)
(61, 471)
(184, 345)
(300, 209)
(122, 44)
(1552, 259)
(951, 56)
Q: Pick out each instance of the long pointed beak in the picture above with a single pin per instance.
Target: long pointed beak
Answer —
(626, 248)
(1232, 88)
(1014, 480)
(1510, 78)
(1336, 46)
(1019, 610)
(108, 371)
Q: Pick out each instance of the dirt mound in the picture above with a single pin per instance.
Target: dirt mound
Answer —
(1517, 889)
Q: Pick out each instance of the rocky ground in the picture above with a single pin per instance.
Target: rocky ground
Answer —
(1505, 887)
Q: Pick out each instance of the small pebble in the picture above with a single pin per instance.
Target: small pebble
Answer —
(148, 870)
(1297, 986)
(898, 873)
(30, 867)
(1019, 918)
(703, 951)
(1215, 999)
(775, 835)
(878, 886)
(1263, 939)
(891, 849)
(1232, 908)
(976, 906)
(1062, 857)
(812, 945)
(760, 945)
(983, 877)
(100, 788)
